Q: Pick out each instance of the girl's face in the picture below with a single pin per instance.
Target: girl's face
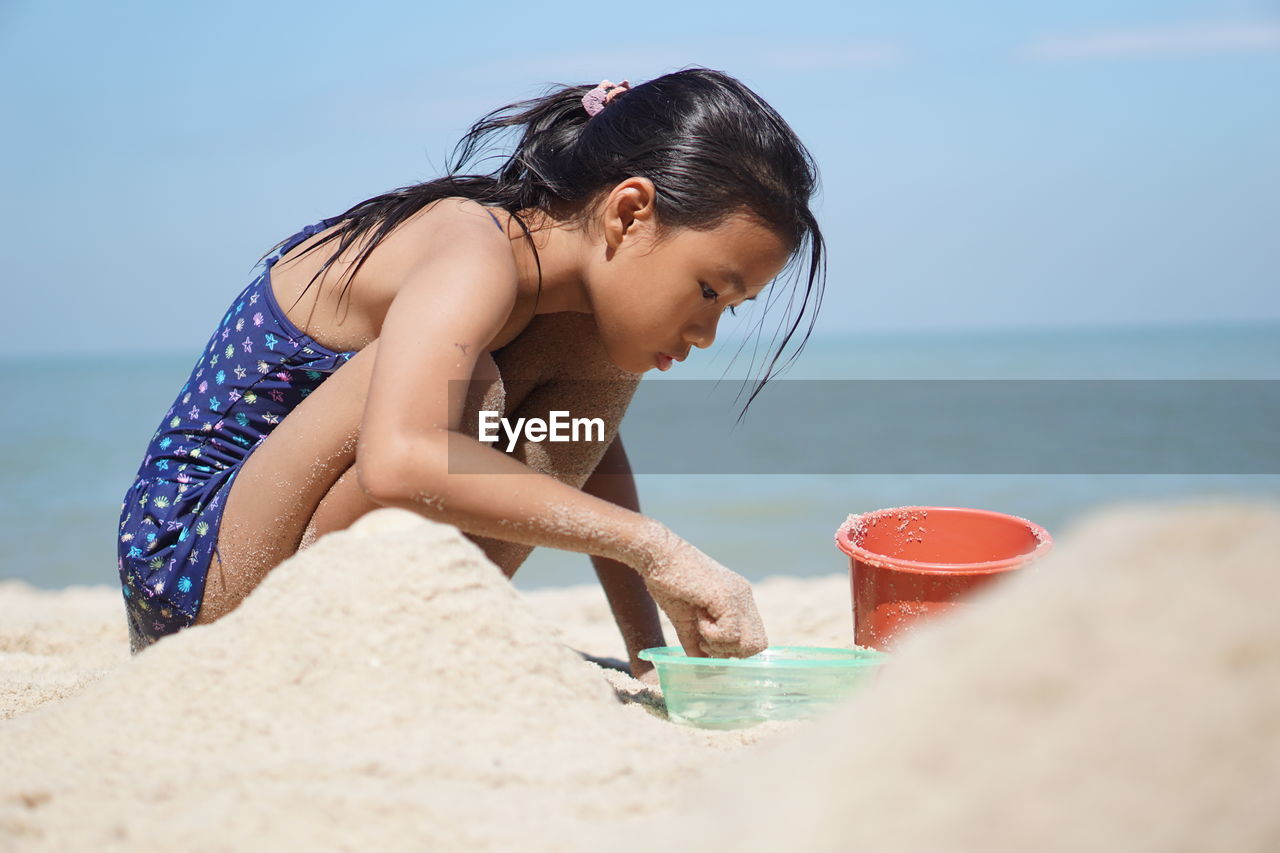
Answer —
(653, 302)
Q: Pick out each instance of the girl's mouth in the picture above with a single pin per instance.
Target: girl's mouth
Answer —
(663, 361)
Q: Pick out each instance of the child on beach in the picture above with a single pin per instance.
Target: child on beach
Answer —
(608, 244)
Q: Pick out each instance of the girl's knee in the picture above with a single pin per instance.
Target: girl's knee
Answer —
(486, 392)
(561, 345)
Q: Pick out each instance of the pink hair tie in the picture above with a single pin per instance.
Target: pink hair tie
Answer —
(596, 100)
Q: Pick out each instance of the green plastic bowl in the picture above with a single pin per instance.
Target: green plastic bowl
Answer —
(780, 683)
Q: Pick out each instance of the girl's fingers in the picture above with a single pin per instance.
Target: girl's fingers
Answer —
(728, 638)
(755, 641)
(690, 639)
(717, 632)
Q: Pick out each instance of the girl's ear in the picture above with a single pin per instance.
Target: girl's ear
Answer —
(630, 205)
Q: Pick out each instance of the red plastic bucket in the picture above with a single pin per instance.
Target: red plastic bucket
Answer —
(913, 563)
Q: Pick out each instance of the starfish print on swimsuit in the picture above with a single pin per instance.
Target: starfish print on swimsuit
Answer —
(247, 344)
(240, 372)
(253, 300)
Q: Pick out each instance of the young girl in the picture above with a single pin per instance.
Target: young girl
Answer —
(608, 244)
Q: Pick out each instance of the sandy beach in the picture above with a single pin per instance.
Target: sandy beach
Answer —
(388, 688)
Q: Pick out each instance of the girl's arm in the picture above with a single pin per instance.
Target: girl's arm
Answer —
(633, 608)
(411, 451)
(457, 294)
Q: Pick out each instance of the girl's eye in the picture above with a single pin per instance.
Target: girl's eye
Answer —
(711, 294)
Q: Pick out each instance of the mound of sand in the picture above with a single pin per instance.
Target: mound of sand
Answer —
(1125, 696)
(388, 687)
(385, 686)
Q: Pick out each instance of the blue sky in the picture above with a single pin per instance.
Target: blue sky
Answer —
(983, 165)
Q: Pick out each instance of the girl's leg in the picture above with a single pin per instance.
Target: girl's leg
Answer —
(579, 380)
(285, 480)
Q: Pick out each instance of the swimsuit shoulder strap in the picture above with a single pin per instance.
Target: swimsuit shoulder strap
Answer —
(302, 236)
(495, 219)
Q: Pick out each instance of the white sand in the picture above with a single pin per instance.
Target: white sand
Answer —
(387, 687)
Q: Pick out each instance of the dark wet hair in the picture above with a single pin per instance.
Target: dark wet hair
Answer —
(711, 146)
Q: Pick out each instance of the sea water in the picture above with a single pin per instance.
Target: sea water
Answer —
(75, 429)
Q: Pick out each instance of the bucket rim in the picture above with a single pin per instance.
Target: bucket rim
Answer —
(857, 552)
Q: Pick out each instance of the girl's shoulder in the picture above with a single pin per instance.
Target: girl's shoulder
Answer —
(345, 318)
(443, 225)
(457, 244)
(452, 227)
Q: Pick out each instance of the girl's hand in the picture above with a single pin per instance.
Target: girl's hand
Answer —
(712, 608)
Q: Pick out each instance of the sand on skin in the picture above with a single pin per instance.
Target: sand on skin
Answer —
(387, 686)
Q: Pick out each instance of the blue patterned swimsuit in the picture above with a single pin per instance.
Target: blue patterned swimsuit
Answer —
(255, 369)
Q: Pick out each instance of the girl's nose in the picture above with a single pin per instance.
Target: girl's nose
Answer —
(702, 334)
